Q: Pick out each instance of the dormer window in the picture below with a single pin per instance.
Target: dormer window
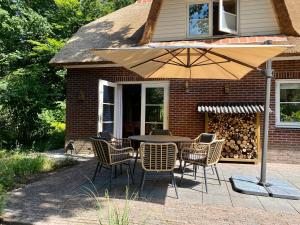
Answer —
(199, 22)
(212, 18)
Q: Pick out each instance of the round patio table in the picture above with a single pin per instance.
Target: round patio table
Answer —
(159, 138)
(156, 139)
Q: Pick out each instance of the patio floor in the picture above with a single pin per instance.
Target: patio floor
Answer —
(62, 198)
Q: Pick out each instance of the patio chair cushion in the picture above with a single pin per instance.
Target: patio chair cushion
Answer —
(194, 158)
(207, 138)
(107, 136)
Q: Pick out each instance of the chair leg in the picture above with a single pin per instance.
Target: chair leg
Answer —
(116, 170)
(142, 183)
(205, 178)
(130, 173)
(217, 174)
(135, 160)
(183, 170)
(111, 176)
(195, 172)
(212, 169)
(174, 184)
(95, 173)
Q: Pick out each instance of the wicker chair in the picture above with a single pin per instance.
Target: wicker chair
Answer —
(160, 132)
(202, 139)
(108, 156)
(203, 155)
(158, 158)
(117, 142)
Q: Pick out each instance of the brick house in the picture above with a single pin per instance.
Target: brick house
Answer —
(140, 104)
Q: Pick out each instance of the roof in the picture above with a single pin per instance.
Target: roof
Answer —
(288, 13)
(232, 108)
(122, 28)
(134, 24)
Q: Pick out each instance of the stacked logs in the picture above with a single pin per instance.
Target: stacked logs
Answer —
(239, 131)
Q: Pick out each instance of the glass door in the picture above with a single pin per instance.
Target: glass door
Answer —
(155, 99)
(107, 107)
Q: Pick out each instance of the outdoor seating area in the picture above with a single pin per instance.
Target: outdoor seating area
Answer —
(158, 153)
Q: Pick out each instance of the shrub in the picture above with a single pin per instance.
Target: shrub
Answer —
(2, 199)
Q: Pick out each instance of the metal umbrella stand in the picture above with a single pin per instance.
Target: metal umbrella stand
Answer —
(263, 186)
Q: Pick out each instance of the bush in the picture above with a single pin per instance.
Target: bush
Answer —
(2, 199)
(15, 168)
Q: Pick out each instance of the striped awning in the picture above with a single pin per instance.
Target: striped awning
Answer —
(245, 108)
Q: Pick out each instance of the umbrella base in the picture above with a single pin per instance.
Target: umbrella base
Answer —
(274, 188)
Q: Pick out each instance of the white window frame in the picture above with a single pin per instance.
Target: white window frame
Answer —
(103, 83)
(166, 86)
(210, 18)
(277, 105)
(225, 30)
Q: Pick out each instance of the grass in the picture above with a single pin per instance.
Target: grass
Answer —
(17, 168)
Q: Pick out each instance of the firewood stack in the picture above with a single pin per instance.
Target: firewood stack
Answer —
(239, 130)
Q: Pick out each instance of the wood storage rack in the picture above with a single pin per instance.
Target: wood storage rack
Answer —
(239, 125)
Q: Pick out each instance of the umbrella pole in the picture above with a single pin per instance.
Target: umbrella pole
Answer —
(269, 76)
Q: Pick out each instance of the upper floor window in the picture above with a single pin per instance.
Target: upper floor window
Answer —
(199, 23)
(288, 103)
(212, 17)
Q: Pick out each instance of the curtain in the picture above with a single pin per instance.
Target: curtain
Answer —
(119, 112)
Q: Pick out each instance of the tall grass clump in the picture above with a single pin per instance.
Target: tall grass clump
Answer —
(109, 213)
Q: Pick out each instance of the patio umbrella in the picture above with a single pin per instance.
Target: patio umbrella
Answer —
(205, 61)
(210, 61)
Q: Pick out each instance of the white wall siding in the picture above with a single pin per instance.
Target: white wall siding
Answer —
(257, 17)
(171, 23)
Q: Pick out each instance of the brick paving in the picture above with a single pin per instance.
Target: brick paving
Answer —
(62, 198)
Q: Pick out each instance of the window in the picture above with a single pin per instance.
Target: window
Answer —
(212, 17)
(228, 15)
(199, 22)
(288, 103)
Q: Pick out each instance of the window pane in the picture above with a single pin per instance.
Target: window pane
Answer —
(108, 113)
(154, 95)
(230, 6)
(108, 127)
(154, 113)
(290, 92)
(199, 19)
(290, 112)
(109, 94)
(150, 126)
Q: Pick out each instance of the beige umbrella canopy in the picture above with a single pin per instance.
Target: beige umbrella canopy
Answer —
(205, 61)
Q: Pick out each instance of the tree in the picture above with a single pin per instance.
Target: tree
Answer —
(32, 32)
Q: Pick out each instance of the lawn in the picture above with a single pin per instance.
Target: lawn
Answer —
(17, 168)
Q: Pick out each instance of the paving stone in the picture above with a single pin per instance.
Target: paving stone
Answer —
(63, 198)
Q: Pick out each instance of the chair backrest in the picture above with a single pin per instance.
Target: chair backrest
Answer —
(206, 138)
(160, 132)
(107, 136)
(214, 151)
(101, 150)
(158, 157)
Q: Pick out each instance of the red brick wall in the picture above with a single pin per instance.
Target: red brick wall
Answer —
(82, 103)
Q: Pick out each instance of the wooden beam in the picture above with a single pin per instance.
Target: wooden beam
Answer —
(151, 21)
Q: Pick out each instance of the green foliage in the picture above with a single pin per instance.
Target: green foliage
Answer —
(32, 32)
(17, 167)
(2, 199)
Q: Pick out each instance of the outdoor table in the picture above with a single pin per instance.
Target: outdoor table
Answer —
(156, 139)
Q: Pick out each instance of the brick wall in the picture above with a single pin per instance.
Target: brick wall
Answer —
(82, 104)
